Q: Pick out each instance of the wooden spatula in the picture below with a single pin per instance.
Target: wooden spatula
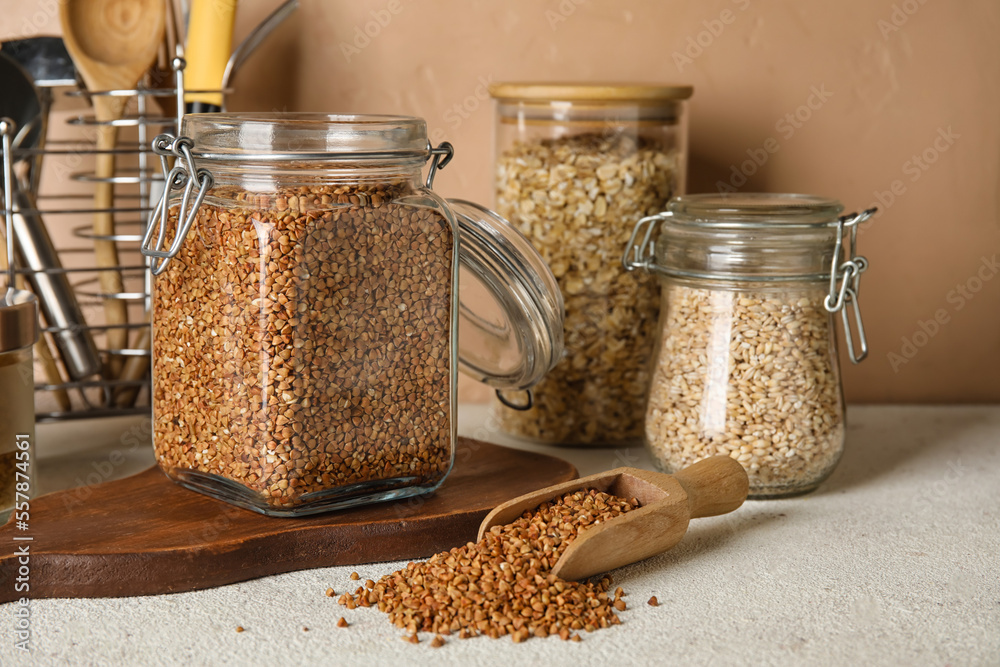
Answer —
(667, 503)
(112, 43)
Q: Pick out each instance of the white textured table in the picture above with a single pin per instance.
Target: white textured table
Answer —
(895, 560)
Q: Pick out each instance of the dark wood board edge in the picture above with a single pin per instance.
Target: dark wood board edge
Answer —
(56, 574)
(104, 576)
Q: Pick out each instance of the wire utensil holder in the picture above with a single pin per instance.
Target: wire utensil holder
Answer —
(137, 188)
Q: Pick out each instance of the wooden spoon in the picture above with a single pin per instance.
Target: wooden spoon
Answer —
(113, 43)
(710, 487)
(135, 369)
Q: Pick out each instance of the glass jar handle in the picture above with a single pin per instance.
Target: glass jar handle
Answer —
(520, 407)
(846, 293)
(186, 174)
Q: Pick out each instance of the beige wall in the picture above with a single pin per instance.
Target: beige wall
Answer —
(897, 78)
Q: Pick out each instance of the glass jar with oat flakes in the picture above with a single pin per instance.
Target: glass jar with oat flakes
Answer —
(313, 302)
(577, 166)
(746, 361)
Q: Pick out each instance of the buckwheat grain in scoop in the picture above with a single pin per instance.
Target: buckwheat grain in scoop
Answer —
(503, 585)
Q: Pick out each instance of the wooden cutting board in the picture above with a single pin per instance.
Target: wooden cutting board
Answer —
(145, 535)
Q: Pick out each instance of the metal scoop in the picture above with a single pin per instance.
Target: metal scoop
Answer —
(667, 503)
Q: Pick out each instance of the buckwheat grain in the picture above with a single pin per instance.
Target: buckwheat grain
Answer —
(302, 343)
(503, 585)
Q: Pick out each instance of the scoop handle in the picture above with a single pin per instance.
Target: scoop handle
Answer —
(715, 485)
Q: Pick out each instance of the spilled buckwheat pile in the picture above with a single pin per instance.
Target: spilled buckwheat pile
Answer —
(577, 199)
(750, 375)
(301, 344)
(503, 585)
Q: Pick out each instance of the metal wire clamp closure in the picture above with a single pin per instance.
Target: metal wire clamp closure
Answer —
(640, 256)
(845, 274)
(440, 157)
(184, 174)
(180, 176)
(849, 272)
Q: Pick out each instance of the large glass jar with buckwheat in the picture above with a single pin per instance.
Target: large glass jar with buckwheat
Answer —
(746, 362)
(576, 167)
(310, 296)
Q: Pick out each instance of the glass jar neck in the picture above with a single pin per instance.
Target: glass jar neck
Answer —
(262, 152)
(549, 111)
(750, 238)
(744, 255)
(282, 175)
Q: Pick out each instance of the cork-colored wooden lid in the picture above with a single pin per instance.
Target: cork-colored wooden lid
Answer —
(589, 92)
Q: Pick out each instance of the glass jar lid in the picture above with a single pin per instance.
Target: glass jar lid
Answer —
(755, 236)
(724, 240)
(510, 308)
(276, 136)
(605, 102)
(759, 210)
(510, 331)
(18, 320)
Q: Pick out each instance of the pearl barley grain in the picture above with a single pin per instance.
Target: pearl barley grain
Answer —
(753, 376)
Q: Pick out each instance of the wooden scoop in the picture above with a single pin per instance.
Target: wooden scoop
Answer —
(112, 43)
(667, 503)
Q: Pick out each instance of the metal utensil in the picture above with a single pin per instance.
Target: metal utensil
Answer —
(7, 264)
(44, 58)
(667, 503)
(48, 281)
(253, 40)
(210, 38)
(47, 62)
(136, 367)
(55, 294)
